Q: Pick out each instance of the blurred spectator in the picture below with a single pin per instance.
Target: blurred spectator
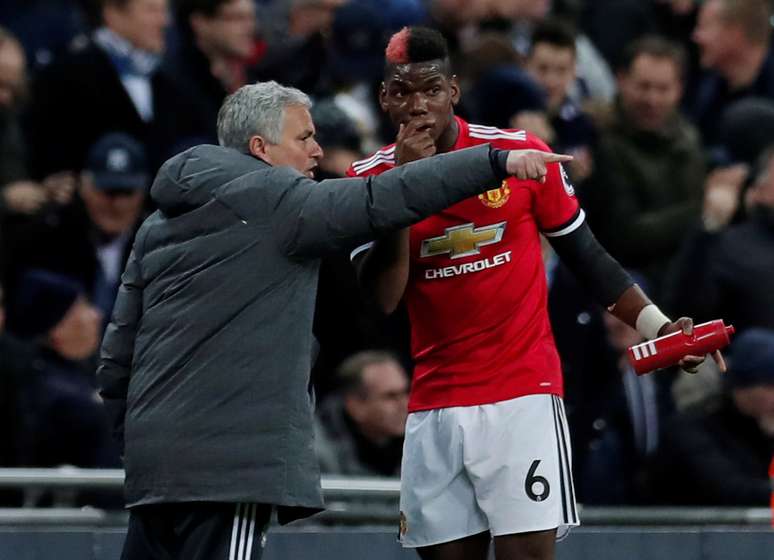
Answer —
(590, 380)
(359, 35)
(63, 417)
(613, 24)
(216, 39)
(646, 190)
(501, 93)
(551, 63)
(360, 429)
(110, 83)
(457, 21)
(720, 453)
(745, 130)
(734, 39)
(519, 18)
(354, 56)
(295, 33)
(90, 238)
(728, 271)
(44, 27)
(12, 86)
(338, 136)
(614, 415)
(344, 324)
(17, 193)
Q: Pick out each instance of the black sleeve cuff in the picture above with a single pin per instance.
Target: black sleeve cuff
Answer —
(499, 160)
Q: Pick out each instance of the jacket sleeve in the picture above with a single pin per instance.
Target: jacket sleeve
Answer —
(118, 347)
(312, 218)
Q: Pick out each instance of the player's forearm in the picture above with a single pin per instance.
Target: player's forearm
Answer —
(629, 306)
(383, 270)
(608, 281)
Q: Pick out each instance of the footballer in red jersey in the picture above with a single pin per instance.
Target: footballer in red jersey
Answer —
(470, 267)
(486, 451)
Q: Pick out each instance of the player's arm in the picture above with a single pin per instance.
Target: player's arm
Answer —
(563, 223)
(614, 288)
(383, 269)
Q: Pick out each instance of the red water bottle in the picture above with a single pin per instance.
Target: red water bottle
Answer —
(669, 349)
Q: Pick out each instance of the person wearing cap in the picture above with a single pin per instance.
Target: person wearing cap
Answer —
(719, 452)
(90, 238)
(63, 420)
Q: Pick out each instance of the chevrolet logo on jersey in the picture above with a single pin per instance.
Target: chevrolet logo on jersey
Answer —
(462, 241)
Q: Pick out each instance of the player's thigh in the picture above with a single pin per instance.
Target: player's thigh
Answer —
(437, 500)
(517, 454)
(474, 547)
(538, 545)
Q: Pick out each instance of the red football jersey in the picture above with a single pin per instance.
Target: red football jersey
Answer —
(476, 295)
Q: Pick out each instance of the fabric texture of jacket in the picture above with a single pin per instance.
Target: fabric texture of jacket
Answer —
(205, 365)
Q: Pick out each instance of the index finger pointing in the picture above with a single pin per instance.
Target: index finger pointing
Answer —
(550, 157)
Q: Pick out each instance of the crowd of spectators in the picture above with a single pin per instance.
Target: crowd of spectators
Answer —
(667, 106)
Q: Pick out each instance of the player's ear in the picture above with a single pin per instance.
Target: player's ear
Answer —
(383, 97)
(455, 89)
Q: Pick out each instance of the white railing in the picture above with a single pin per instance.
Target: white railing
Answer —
(349, 500)
(92, 479)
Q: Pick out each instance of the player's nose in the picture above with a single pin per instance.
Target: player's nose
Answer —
(417, 104)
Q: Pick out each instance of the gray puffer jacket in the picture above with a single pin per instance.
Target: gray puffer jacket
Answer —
(205, 364)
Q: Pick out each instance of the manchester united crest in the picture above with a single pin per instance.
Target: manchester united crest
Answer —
(496, 197)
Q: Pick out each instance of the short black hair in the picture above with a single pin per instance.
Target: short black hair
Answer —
(656, 47)
(555, 32)
(411, 45)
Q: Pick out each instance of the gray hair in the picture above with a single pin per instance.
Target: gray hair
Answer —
(256, 110)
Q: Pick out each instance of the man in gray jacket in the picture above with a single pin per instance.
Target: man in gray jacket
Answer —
(205, 364)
